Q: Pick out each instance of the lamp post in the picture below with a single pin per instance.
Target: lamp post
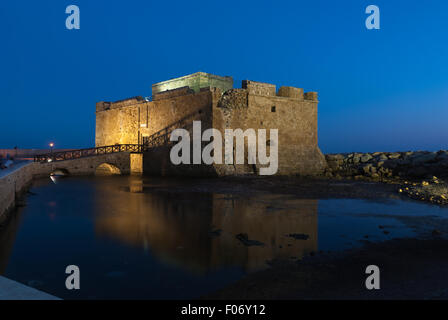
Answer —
(51, 149)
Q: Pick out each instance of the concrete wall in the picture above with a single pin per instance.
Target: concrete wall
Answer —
(12, 184)
(15, 182)
(12, 290)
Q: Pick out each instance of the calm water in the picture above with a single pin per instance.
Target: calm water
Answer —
(131, 241)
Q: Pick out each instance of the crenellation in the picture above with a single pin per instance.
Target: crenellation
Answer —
(310, 96)
(104, 105)
(259, 88)
(290, 92)
(172, 93)
(256, 105)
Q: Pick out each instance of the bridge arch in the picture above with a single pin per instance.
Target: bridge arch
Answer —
(59, 172)
(107, 169)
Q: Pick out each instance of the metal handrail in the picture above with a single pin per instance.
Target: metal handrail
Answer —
(88, 152)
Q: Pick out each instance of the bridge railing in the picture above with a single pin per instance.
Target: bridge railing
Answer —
(89, 152)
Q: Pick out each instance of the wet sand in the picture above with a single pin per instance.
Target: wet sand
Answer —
(301, 188)
(410, 269)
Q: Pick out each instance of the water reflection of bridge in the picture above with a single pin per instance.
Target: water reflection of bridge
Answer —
(177, 227)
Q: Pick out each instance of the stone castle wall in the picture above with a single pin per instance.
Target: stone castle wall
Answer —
(257, 105)
(293, 116)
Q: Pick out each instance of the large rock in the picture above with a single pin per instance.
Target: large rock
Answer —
(391, 164)
(394, 155)
(367, 157)
(442, 156)
(443, 163)
(423, 158)
(417, 172)
(334, 165)
(367, 168)
(388, 164)
(334, 157)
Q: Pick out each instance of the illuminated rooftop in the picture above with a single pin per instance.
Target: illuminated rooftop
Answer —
(194, 81)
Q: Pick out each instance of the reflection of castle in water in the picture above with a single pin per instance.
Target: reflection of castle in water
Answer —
(177, 227)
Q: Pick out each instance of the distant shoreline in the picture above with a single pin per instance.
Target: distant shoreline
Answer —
(27, 153)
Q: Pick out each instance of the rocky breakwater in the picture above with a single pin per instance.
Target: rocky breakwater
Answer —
(418, 172)
(388, 165)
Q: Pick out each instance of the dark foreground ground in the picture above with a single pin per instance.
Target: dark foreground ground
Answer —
(410, 268)
(299, 187)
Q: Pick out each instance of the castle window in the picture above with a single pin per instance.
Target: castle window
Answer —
(273, 109)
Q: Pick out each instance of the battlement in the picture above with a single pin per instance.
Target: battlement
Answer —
(213, 101)
(260, 88)
(172, 93)
(311, 96)
(201, 81)
(267, 89)
(290, 92)
(105, 105)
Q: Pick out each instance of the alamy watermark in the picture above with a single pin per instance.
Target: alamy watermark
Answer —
(373, 280)
(73, 21)
(373, 20)
(212, 153)
(72, 282)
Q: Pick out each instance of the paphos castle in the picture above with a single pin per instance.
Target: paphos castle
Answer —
(215, 103)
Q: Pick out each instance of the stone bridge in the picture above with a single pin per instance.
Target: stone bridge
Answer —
(16, 179)
(115, 163)
(105, 160)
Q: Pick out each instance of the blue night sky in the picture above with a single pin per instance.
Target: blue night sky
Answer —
(379, 90)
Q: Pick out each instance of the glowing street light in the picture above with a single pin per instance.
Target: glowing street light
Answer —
(51, 147)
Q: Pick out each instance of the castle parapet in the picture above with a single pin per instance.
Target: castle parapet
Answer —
(104, 105)
(311, 96)
(195, 81)
(290, 92)
(172, 93)
(259, 88)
